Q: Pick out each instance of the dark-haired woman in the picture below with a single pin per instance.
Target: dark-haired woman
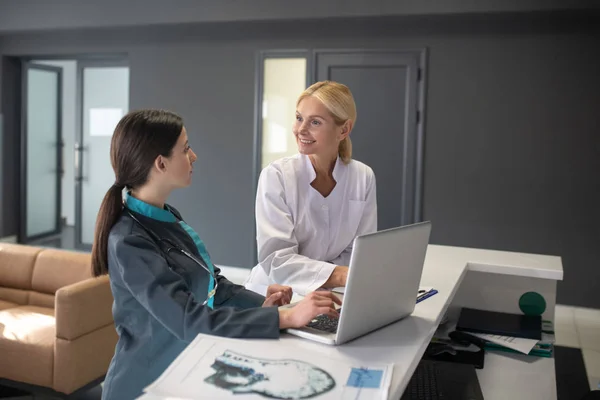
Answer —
(166, 288)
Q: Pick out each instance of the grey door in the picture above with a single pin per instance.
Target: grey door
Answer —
(41, 152)
(387, 89)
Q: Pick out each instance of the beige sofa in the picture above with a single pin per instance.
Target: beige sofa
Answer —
(56, 326)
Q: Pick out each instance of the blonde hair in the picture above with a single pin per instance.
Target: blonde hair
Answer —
(340, 103)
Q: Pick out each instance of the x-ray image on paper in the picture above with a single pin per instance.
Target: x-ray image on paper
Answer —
(217, 368)
(277, 379)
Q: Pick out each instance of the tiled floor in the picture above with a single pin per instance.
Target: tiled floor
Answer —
(580, 327)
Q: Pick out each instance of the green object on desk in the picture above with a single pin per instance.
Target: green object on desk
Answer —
(532, 303)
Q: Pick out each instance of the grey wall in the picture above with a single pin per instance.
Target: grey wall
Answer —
(27, 15)
(1, 152)
(511, 157)
(10, 101)
(1, 165)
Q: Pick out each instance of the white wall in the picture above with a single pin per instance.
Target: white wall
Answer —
(68, 132)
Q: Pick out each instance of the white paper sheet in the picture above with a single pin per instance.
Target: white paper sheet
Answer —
(217, 368)
(519, 344)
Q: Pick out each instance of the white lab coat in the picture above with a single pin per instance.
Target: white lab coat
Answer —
(301, 235)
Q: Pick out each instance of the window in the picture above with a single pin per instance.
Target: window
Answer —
(283, 79)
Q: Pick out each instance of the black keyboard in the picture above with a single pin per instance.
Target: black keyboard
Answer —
(435, 380)
(324, 323)
(423, 384)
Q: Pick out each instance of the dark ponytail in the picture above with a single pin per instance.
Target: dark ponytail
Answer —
(139, 138)
(109, 213)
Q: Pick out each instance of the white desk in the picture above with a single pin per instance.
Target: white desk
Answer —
(483, 279)
(491, 280)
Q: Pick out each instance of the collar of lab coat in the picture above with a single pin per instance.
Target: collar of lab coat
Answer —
(338, 168)
(148, 210)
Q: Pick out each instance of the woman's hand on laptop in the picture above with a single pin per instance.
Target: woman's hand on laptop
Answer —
(338, 277)
(315, 303)
(278, 295)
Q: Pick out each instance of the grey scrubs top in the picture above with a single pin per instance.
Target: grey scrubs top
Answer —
(158, 299)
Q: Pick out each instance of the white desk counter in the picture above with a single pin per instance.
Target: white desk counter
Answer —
(483, 279)
(489, 280)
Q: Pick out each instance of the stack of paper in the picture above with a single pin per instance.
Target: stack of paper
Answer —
(217, 368)
(532, 347)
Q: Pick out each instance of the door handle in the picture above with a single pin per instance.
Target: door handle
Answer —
(61, 169)
(78, 150)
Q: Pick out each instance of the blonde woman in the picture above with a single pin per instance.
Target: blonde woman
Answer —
(311, 206)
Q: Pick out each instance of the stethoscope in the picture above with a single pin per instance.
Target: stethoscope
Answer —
(172, 246)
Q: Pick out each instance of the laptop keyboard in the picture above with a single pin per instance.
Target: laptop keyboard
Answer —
(324, 323)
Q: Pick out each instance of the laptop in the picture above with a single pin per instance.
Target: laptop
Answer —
(383, 282)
